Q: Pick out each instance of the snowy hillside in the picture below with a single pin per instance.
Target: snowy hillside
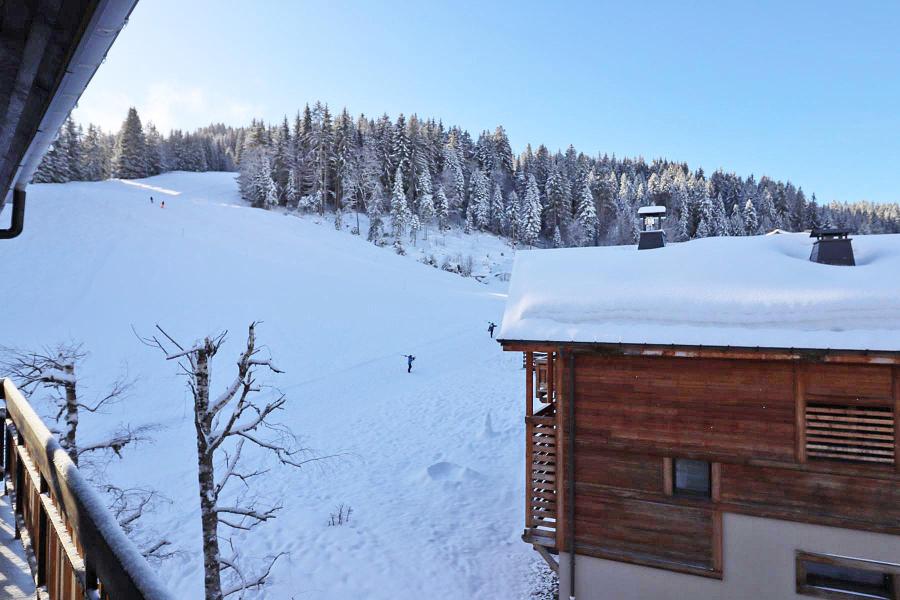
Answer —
(430, 462)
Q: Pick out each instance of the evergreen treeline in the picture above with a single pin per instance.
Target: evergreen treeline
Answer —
(422, 174)
(136, 151)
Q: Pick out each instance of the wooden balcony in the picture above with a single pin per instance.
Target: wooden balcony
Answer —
(76, 548)
(541, 451)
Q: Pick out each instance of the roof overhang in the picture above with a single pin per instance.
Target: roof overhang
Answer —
(51, 50)
(831, 355)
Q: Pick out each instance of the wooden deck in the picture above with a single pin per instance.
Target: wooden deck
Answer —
(16, 582)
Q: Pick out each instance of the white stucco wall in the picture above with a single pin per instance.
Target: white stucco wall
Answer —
(758, 560)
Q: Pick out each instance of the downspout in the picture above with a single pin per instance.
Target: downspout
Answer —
(570, 469)
(17, 223)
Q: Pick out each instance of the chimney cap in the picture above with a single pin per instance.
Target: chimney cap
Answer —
(829, 233)
(651, 210)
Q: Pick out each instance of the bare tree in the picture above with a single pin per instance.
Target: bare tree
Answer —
(225, 425)
(54, 369)
(128, 506)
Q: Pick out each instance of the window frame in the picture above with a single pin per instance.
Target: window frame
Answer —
(685, 493)
(805, 589)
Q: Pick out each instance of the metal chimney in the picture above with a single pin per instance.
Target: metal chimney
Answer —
(652, 234)
(832, 247)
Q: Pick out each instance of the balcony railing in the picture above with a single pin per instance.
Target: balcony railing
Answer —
(78, 549)
(541, 451)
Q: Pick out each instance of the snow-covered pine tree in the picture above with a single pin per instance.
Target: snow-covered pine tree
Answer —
(376, 223)
(414, 226)
(442, 208)
(271, 189)
(130, 154)
(292, 195)
(751, 220)
(720, 223)
(155, 164)
(706, 227)
(400, 213)
(73, 149)
(586, 216)
(511, 217)
(95, 162)
(557, 238)
(530, 218)
(54, 167)
(736, 225)
(427, 209)
(479, 203)
(496, 209)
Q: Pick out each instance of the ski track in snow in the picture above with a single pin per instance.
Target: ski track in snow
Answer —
(430, 462)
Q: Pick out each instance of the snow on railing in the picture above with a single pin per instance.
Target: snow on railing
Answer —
(79, 549)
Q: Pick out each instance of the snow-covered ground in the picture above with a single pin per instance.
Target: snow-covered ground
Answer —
(430, 462)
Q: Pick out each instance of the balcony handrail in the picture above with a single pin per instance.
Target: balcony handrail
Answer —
(109, 556)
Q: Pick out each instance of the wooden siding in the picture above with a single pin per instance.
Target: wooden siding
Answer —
(812, 497)
(653, 532)
(634, 414)
(687, 407)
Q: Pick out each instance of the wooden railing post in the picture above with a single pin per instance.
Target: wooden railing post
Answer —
(42, 538)
(529, 433)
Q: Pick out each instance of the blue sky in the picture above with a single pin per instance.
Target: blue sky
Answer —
(806, 91)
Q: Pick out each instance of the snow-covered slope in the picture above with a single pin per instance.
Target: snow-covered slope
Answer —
(725, 291)
(430, 462)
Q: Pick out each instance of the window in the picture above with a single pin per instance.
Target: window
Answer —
(692, 478)
(850, 433)
(836, 577)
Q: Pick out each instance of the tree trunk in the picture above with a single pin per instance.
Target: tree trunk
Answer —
(69, 443)
(206, 478)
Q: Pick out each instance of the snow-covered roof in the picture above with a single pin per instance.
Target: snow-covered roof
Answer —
(652, 210)
(759, 291)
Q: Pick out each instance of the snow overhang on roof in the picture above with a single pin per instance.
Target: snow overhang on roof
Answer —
(759, 291)
(53, 50)
(651, 210)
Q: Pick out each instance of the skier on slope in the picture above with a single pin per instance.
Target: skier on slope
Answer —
(151, 199)
(491, 328)
(409, 361)
(162, 204)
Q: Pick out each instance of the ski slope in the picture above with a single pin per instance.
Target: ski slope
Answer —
(430, 462)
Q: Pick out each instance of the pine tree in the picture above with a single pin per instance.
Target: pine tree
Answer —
(271, 189)
(292, 195)
(427, 209)
(737, 226)
(751, 221)
(530, 219)
(706, 227)
(373, 209)
(720, 223)
(557, 238)
(400, 213)
(442, 208)
(95, 161)
(73, 150)
(130, 155)
(511, 217)
(586, 215)
(479, 204)
(496, 209)
(154, 151)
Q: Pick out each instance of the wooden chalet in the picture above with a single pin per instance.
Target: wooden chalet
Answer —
(669, 456)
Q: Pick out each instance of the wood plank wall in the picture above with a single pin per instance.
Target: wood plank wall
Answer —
(634, 415)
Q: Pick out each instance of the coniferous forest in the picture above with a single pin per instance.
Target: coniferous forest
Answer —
(408, 173)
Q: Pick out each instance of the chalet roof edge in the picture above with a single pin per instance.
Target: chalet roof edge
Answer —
(887, 357)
